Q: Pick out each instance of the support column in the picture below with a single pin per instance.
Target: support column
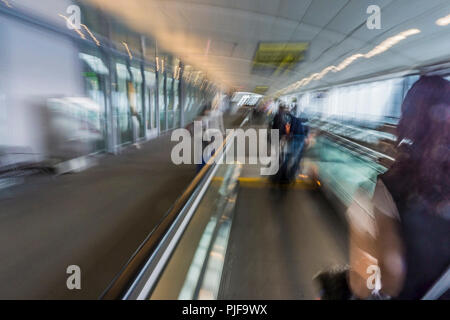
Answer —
(144, 88)
(111, 123)
(182, 95)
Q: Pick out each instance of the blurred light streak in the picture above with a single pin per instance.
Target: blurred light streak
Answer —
(81, 34)
(128, 50)
(382, 47)
(90, 33)
(208, 45)
(217, 255)
(445, 21)
(176, 73)
(205, 295)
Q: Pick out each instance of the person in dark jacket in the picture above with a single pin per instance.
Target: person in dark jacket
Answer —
(298, 135)
(295, 133)
(282, 122)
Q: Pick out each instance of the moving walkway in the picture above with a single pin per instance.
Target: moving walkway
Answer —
(235, 235)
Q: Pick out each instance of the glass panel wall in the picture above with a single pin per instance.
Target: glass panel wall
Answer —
(369, 102)
(137, 109)
(107, 70)
(170, 115)
(150, 99)
(122, 108)
(95, 75)
(176, 103)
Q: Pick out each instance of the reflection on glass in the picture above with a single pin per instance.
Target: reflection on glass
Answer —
(122, 107)
(150, 99)
(162, 103)
(139, 110)
(95, 75)
(176, 103)
(170, 102)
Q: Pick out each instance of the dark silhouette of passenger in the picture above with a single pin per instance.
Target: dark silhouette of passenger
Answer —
(282, 122)
(403, 231)
(293, 133)
(298, 134)
(410, 238)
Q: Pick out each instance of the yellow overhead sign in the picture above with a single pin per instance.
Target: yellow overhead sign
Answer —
(276, 55)
(261, 89)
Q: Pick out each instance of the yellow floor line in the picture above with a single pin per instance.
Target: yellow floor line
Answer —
(260, 182)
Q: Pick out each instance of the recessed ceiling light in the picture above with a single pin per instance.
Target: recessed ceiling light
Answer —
(443, 21)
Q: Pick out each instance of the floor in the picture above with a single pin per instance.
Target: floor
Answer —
(95, 219)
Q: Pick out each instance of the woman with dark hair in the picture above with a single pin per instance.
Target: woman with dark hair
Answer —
(402, 247)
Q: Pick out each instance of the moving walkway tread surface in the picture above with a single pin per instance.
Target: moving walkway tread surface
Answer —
(280, 239)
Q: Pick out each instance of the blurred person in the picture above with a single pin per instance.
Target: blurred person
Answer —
(214, 117)
(136, 128)
(281, 120)
(227, 103)
(210, 119)
(298, 135)
(259, 111)
(411, 200)
(282, 123)
(403, 231)
(294, 106)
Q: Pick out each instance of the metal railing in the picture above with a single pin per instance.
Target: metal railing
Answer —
(356, 148)
(137, 279)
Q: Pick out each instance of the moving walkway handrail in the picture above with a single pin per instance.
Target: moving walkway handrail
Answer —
(124, 283)
(362, 150)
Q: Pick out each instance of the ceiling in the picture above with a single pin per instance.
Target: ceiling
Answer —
(220, 37)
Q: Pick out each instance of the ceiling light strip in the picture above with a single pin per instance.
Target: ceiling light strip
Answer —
(382, 47)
